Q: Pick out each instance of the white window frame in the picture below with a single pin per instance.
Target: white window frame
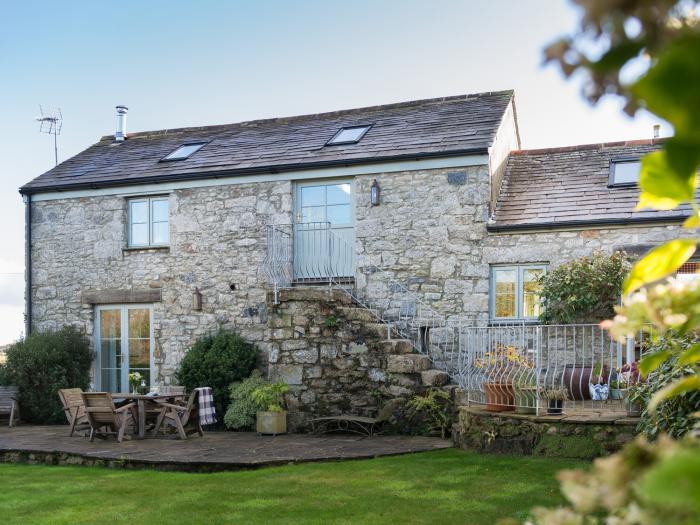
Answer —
(149, 202)
(519, 270)
(124, 308)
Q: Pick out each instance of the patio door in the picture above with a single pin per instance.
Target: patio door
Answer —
(124, 344)
(324, 230)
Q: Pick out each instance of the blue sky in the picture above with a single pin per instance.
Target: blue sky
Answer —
(180, 63)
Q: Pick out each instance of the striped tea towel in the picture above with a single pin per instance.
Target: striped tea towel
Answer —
(205, 400)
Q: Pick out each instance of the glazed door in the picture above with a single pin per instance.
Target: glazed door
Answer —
(124, 344)
(324, 230)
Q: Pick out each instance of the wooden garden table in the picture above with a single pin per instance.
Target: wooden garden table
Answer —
(141, 400)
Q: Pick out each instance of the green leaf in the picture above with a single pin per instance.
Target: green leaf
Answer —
(663, 186)
(687, 384)
(690, 356)
(659, 263)
(651, 362)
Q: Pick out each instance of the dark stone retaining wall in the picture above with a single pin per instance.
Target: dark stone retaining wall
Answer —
(581, 436)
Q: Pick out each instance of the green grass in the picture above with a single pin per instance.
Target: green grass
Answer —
(449, 486)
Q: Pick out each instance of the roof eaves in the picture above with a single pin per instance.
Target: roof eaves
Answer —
(557, 225)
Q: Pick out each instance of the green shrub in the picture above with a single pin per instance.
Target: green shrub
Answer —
(584, 289)
(42, 364)
(675, 416)
(270, 396)
(217, 361)
(241, 409)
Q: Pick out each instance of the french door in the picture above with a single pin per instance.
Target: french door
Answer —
(124, 344)
(324, 230)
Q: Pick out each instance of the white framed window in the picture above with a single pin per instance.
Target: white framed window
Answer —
(515, 292)
(148, 222)
(624, 172)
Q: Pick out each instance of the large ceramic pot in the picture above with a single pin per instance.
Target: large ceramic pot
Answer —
(526, 400)
(500, 397)
(555, 407)
(271, 423)
(577, 378)
(617, 393)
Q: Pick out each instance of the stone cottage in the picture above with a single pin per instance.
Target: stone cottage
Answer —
(309, 234)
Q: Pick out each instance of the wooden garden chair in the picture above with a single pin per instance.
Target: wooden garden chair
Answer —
(104, 417)
(74, 408)
(184, 418)
(8, 402)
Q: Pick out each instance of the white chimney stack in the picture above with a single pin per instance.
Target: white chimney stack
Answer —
(121, 123)
(657, 131)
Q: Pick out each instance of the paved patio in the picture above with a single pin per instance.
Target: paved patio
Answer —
(214, 452)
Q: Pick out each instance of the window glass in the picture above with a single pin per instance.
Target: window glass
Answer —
(148, 222)
(689, 271)
(139, 211)
(159, 209)
(313, 195)
(313, 214)
(505, 287)
(339, 194)
(339, 214)
(139, 234)
(184, 151)
(349, 135)
(626, 172)
(532, 306)
(159, 233)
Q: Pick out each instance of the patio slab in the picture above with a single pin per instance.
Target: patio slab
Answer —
(216, 451)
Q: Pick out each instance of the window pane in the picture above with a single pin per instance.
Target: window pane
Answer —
(160, 233)
(532, 306)
(139, 323)
(339, 194)
(110, 349)
(139, 235)
(184, 151)
(313, 214)
(110, 323)
(339, 214)
(626, 172)
(139, 211)
(349, 135)
(689, 271)
(313, 195)
(504, 299)
(159, 210)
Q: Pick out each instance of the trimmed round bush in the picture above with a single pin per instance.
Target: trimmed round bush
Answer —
(242, 408)
(217, 361)
(44, 363)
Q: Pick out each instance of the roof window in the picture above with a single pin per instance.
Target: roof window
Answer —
(350, 135)
(185, 151)
(624, 172)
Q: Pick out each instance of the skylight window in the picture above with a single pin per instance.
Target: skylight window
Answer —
(185, 151)
(351, 135)
(624, 172)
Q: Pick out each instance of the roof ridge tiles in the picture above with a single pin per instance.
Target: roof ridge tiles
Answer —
(584, 147)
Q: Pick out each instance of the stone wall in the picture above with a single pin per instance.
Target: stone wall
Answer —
(584, 437)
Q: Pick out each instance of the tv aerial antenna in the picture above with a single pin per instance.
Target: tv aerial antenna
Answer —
(51, 122)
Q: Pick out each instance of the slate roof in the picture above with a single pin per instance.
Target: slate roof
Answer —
(559, 187)
(433, 127)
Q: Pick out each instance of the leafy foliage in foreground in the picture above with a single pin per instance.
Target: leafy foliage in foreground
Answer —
(41, 365)
(584, 289)
(242, 408)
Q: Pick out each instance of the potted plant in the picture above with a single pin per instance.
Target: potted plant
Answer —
(137, 383)
(618, 385)
(273, 418)
(597, 385)
(526, 394)
(499, 367)
(555, 400)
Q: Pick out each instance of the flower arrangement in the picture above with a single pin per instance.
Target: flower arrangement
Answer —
(502, 357)
(137, 382)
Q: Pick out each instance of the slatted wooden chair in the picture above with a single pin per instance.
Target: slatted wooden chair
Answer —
(104, 417)
(8, 402)
(183, 418)
(74, 408)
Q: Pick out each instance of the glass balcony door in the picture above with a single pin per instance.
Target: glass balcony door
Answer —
(124, 344)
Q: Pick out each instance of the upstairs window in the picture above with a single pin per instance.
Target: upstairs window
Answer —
(148, 222)
(515, 292)
(184, 152)
(624, 172)
(351, 135)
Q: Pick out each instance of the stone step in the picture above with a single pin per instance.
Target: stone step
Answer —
(381, 330)
(314, 293)
(357, 313)
(434, 377)
(407, 363)
(396, 346)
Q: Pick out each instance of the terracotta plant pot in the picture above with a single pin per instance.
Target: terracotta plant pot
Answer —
(500, 397)
(578, 377)
(526, 400)
(271, 423)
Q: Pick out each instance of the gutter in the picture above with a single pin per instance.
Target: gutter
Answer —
(152, 179)
(28, 265)
(559, 225)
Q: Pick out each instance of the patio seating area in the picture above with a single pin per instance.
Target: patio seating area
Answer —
(215, 451)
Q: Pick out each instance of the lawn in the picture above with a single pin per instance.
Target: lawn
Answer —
(449, 486)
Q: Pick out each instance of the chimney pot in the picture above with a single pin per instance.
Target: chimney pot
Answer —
(657, 131)
(120, 134)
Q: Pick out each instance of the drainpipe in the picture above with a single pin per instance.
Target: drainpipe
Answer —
(28, 264)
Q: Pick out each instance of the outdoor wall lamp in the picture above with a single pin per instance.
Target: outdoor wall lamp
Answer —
(197, 300)
(374, 193)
